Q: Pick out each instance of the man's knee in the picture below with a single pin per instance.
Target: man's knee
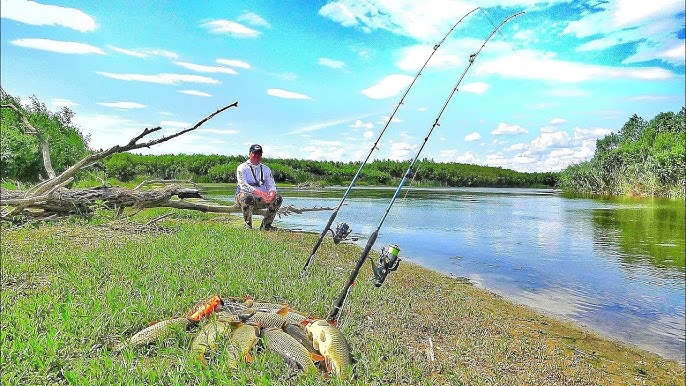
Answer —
(276, 204)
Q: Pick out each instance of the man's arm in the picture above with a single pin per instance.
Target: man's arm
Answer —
(242, 180)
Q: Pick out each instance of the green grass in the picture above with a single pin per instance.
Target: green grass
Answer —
(73, 290)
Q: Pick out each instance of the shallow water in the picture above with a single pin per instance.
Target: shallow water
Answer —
(615, 266)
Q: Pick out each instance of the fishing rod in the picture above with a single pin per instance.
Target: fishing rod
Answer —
(389, 261)
(343, 230)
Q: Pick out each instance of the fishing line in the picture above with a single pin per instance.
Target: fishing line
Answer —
(327, 227)
(335, 311)
(499, 33)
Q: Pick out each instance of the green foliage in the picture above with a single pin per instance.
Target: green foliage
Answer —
(643, 158)
(21, 154)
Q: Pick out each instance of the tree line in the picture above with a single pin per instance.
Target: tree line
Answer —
(645, 158)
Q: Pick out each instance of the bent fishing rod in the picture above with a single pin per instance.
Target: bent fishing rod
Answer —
(343, 230)
(392, 264)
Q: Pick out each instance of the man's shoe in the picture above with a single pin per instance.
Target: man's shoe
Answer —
(268, 227)
(248, 225)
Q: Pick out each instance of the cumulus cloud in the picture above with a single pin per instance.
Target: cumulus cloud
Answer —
(557, 121)
(58, 46)
(123, 105)
(234, 63)
(473, 136)
(360, 123)
(368, 134)
(504, 128)
(232, 28)
(279, 93)
(425, 20)
(161, 78)
(401, 150)
(195, 92)
(34, 13)
(203, 68)
(387, 87)
(331, 63)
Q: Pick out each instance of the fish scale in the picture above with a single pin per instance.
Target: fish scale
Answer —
(289, 348)
(266, 319)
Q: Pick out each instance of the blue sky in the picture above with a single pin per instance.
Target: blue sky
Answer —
(318, 79)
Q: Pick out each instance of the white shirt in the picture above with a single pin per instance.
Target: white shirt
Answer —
(251, 177)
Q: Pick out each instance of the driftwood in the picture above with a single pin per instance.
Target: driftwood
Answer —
(50, 199)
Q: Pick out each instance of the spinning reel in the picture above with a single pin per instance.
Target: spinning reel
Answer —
(387, 262)
(342, 231)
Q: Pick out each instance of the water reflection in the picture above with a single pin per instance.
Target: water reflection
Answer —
(616, 266)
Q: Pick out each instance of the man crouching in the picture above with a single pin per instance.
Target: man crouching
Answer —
(256, 189)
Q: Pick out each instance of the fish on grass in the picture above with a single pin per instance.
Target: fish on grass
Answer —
(331, 343)
(152, 333)
(294, 353)
(242, 340)
(206, 339)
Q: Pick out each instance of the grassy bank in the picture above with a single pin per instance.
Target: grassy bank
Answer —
(71, 291)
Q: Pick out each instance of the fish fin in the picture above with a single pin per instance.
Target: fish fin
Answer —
(315, 357)
(284, 311)
(152, 323)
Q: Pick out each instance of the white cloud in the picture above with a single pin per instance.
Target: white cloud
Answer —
(473, 136)
(195, 92)
(128, 52)
(360, 123)
(107, 130)
(203, 68)
(504, 128)
(58, 46)
(254, 20)
(425, 20)
(626, 21)
(413, 58)
(161, 78)
(387, 87)
(384, 119)
(452, 155)
(34, 13)
(475, 87)
(59, 103)
(557, 121)
(123, 105)
(567, 92)
(279, 93)
(234, 63)
(326, 62)
(401, 150)
(648, 98)
(368, 134)
(231, 28)
(528, 64)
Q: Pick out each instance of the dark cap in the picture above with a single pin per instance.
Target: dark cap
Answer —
(256, 149)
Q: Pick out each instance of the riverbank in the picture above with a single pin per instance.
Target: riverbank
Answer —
(71, 291)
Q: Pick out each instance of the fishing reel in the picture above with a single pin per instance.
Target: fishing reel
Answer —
(342, 231)
(387, 262)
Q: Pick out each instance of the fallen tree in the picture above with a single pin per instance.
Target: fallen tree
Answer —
(52, 199)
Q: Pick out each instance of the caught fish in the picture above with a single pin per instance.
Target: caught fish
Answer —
(207, 338)
(228, 317)
(294, 353)
(152, 333)
(331, 343)
(243, 339)
(297, 333)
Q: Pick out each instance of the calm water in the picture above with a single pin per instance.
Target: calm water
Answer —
(615, 266)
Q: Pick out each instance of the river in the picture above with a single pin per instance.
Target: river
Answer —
(615, 266)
